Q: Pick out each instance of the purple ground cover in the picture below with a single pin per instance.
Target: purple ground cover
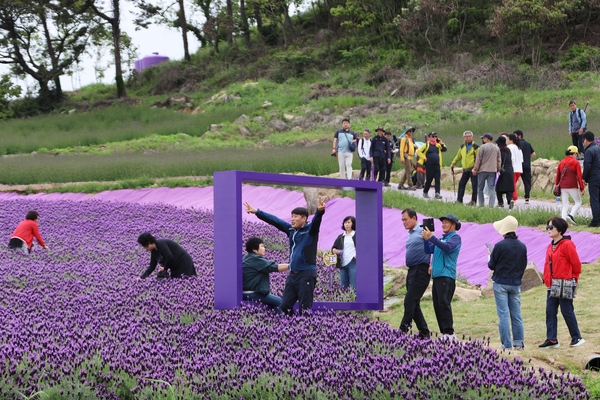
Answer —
(75, 323)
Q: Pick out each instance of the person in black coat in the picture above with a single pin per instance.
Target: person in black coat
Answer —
(169, 255)
(506, 181)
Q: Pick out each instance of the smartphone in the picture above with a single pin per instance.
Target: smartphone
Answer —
(428, 223)
(490, 247)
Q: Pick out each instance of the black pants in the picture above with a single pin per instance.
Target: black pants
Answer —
(462, 185)
(417, 282)
(526, 177)
(432, 171)
(577, 141)
(388, 171)
(299, 286)
(442, 293)
(379, 164)
(365, 167)
(509, 197)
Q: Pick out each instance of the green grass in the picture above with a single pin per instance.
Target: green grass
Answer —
(113, 124)
(46, 168)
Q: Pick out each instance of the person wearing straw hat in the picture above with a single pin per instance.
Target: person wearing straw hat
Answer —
(443, 271)
(569, 179)
(508, 260)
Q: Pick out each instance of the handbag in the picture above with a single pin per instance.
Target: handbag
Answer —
(351, 144)
(562, 288)
(557, 191)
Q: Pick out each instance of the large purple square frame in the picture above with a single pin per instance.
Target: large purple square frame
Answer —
(228, 209)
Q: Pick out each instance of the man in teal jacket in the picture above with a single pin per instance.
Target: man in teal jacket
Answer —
(303, 236)
(443, 270)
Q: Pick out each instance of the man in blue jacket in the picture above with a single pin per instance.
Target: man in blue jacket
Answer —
(303, 236)
(577, 125)
(443, 271)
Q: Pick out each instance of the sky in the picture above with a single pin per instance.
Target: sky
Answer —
(157, 38)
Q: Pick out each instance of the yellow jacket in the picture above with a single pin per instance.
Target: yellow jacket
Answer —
(406, 147)
(422, 152)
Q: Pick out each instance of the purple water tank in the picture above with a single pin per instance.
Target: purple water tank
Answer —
(149, 61)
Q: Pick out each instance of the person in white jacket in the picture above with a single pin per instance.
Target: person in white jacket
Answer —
(364, 153)
(517, 159)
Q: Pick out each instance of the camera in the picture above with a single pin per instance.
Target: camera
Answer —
(333, 154)
(438, 140)
(428, 223)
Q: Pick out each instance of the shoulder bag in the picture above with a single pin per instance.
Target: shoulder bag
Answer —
(557, 192)
(562, 288)
(351, 144)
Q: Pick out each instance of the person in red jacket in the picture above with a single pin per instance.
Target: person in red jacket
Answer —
(22, 237)
(562, 262)
(568, 177)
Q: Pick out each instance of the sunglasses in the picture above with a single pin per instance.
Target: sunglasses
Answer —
(549, 227)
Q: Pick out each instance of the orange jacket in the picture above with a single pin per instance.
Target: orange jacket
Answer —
(26, 231)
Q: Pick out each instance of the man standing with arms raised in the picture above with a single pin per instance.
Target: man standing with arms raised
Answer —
(342, 140)
(417, 279)
(303, 236)
(467, 154)
(443, 271)
(487, 164)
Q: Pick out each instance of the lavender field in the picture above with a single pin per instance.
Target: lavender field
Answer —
(76, 323)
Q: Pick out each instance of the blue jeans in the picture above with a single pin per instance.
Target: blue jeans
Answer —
(568, 313)
(508, 307)
(270, 300)
(482, 178)
(348, 275)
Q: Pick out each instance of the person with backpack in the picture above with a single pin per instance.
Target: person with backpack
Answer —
(577, 126)
(466, 154)
(406, 152)
(364, 153)
(431, 153)
(344, 144)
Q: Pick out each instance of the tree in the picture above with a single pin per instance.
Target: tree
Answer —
(44, 39)
(528, 20)
(7, 90)
(114, 22)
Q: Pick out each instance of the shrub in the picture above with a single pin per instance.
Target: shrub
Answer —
(581, 57)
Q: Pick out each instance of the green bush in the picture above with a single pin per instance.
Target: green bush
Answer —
(581, 57)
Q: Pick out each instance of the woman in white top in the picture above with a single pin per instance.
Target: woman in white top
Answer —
(345, 249)
(514, 144)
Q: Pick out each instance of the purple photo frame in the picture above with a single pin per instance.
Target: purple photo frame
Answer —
(228, 255)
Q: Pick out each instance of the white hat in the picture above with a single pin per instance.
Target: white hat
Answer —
(506, 225)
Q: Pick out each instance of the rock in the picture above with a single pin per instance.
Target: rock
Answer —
(278, 125)
(326, 111)
(311, 195)
(393, 92)
(241, 119)
(247, 84)
(267, 104)
(395, 106)
(215, 127)
(466, 294)
(297, 129)
(531, 278)
(259, 119)
(197, 110)
(288, 117)
(245, 131)
(325, 75)
(71, 112)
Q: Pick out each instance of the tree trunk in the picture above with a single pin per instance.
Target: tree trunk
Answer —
(287, 22)
(230, 21)
(53, 60)
(116, 31)
(258, 18)
(183, 25)
(245, 26)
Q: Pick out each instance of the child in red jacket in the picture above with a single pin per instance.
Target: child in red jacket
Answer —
(22, 237)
